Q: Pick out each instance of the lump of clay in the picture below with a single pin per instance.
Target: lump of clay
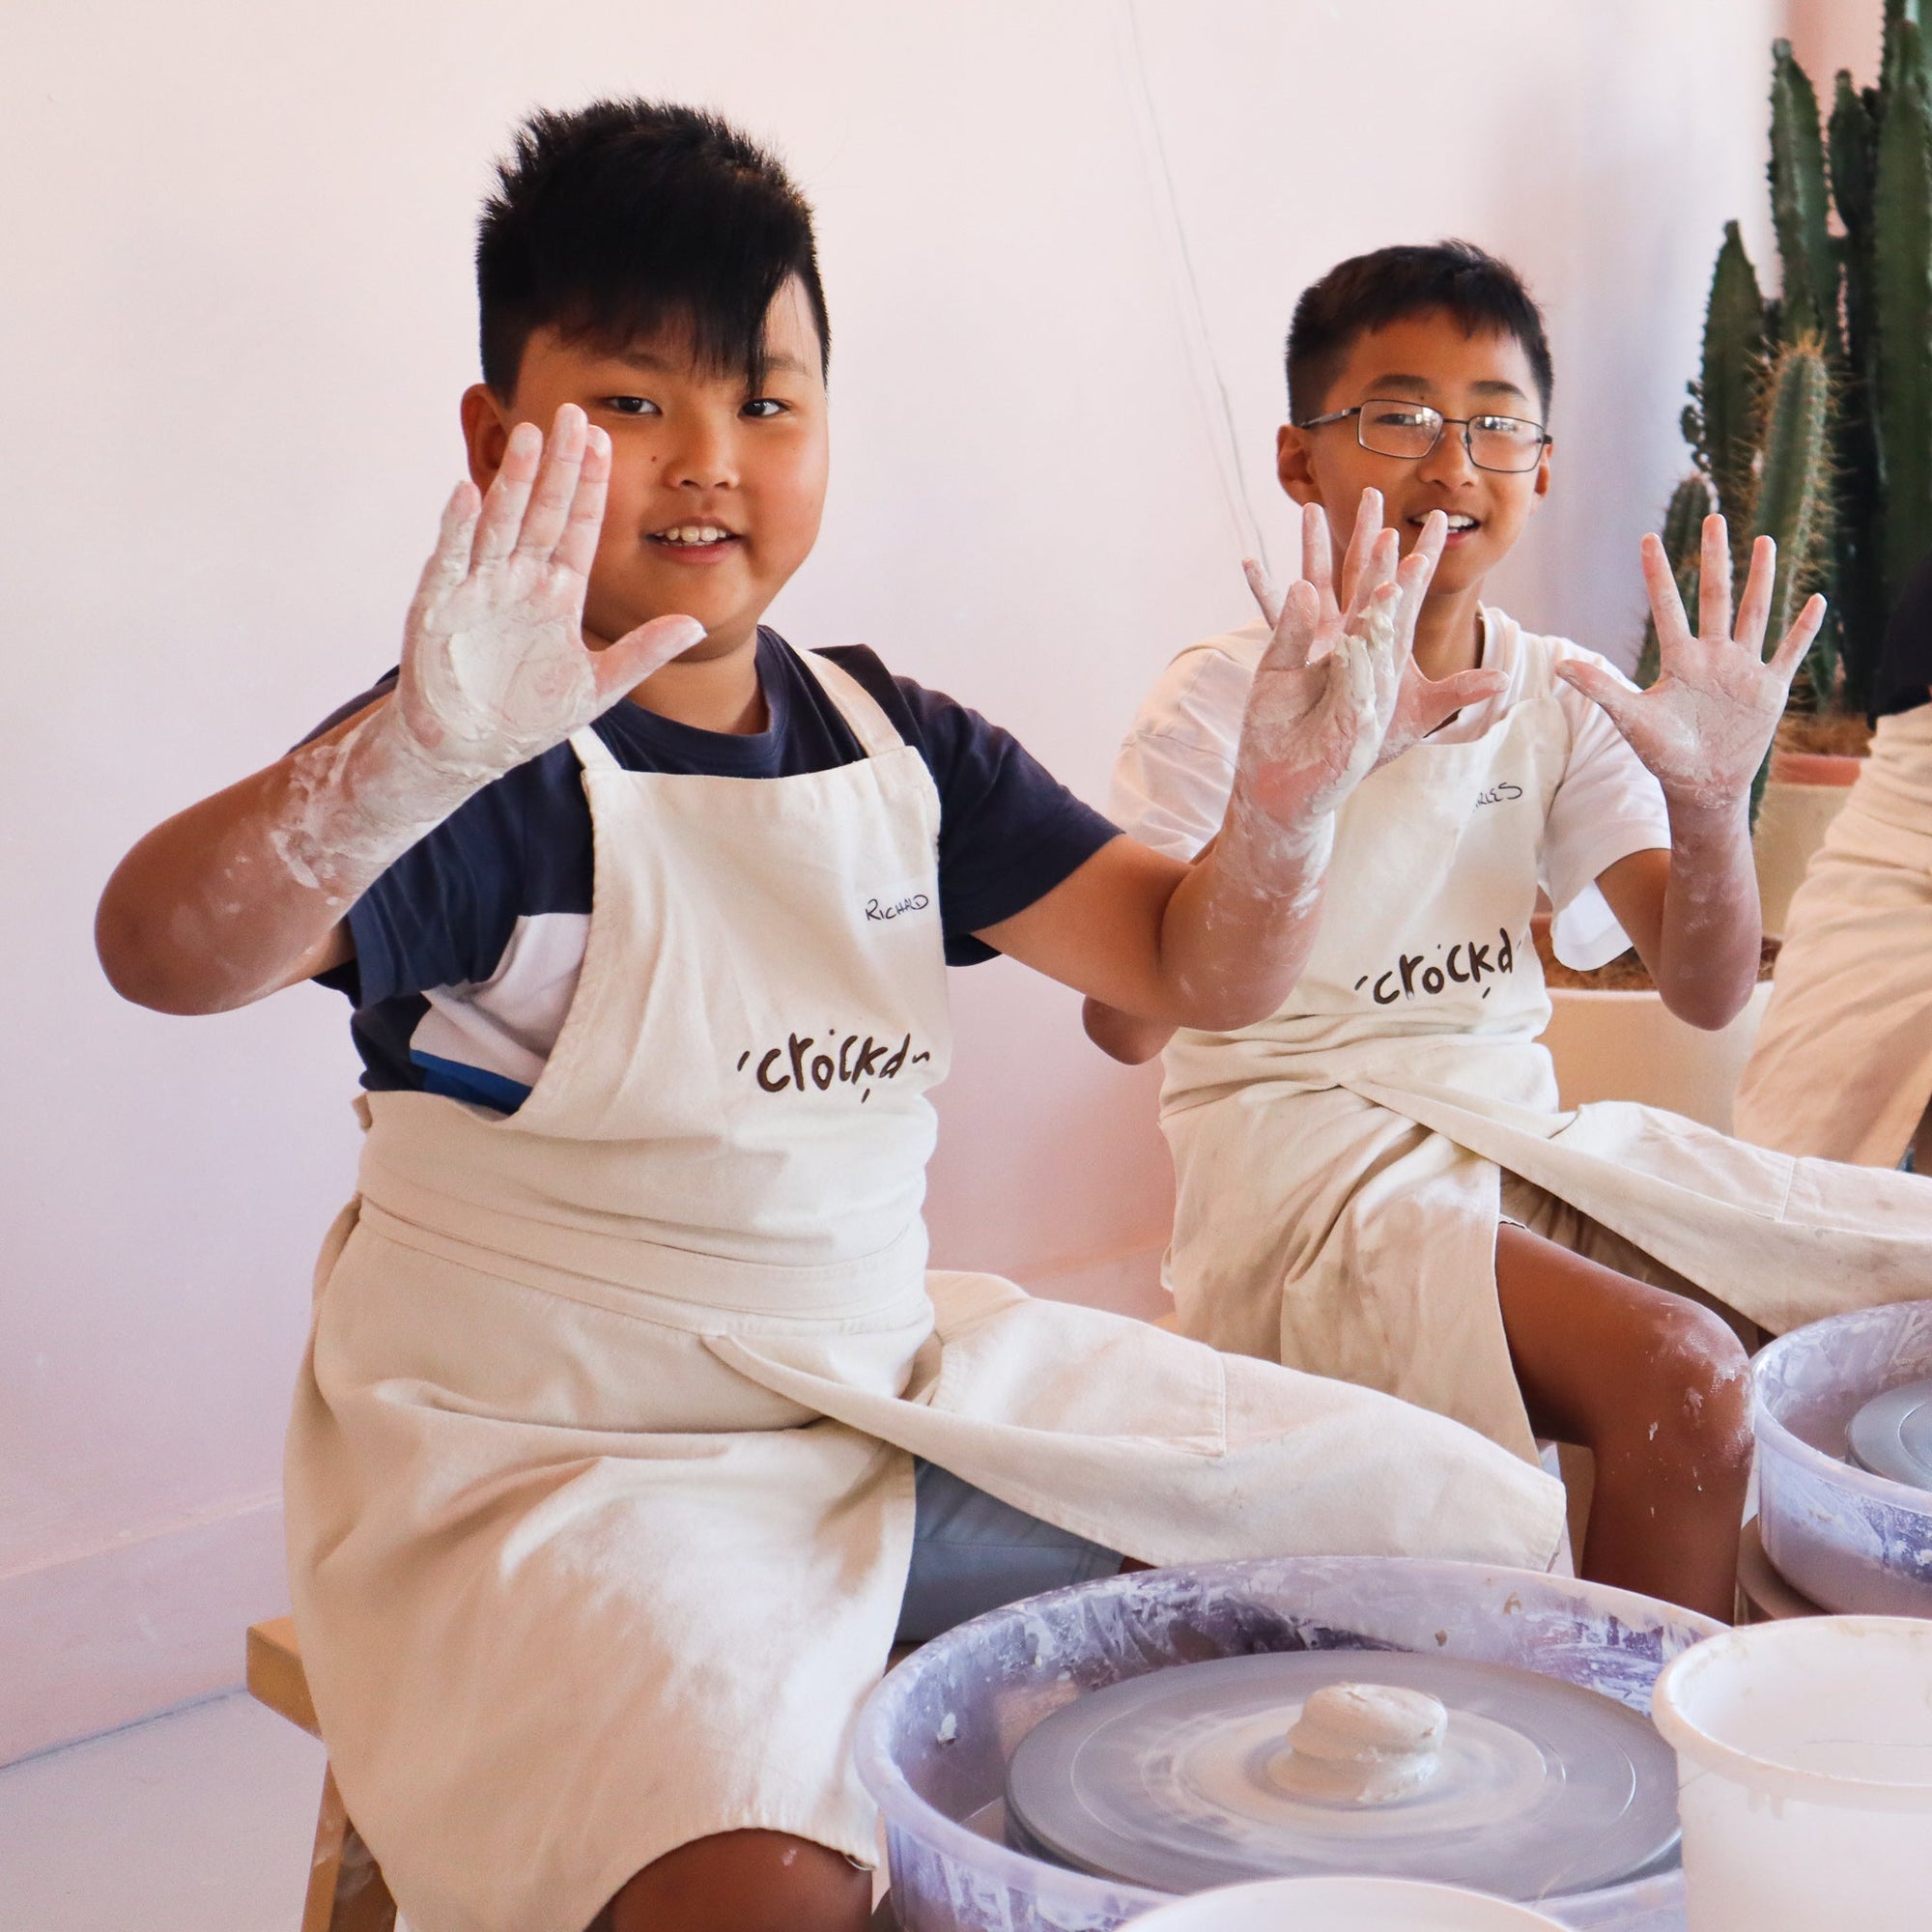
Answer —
(1363, 1743)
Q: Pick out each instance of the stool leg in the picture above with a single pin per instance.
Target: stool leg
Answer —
(346, 1889)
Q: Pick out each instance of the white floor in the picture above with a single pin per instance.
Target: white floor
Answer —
(200, 1821)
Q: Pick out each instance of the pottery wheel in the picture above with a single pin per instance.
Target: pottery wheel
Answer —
(1891, 1435)
(1185, 1779)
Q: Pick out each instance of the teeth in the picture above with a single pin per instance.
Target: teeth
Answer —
(694, 533)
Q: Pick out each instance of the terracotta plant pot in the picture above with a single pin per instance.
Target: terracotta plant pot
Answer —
(1805, 792)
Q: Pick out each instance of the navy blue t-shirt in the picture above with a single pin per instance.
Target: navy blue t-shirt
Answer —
(466, 947)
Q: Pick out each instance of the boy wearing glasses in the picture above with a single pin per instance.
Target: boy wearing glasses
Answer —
(1376, 1183)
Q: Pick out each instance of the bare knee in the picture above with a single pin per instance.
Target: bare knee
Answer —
(1690, 1395)
(743, 1882)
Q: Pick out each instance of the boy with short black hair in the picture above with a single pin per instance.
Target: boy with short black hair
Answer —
(1376, 1182)
(632, 1426)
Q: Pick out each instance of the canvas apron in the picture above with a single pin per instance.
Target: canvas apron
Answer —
(600, 1477)
(1343, 1166)
(1842, 1064)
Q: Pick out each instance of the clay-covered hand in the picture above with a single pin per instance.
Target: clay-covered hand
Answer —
(1703, 726)
(1325, 689)
(494, 667)
(1422, 703)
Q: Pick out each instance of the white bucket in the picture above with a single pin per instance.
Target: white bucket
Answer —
(1343, 1905)
(1805, 1773)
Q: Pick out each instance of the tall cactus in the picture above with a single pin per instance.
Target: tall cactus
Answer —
(1848, 345)
(1800, 205)
(1902, 258)
(1794, 500)
(1794, 503)
(1859, 606)
(1722, 425)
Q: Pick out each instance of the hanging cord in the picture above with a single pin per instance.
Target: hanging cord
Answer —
(1204, 366)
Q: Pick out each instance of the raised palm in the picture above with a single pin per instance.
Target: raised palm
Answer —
(494, 667)
(1328, 687)
(1702, 728)
(1421, 704)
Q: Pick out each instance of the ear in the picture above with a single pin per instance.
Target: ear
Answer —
(486, 421)
(1541, 476)
(1293, 467)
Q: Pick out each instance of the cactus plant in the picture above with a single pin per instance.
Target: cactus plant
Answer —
(1902, 259)
(1801, 205)
(1811, 416)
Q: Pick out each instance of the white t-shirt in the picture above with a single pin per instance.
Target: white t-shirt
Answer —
(1176, 767)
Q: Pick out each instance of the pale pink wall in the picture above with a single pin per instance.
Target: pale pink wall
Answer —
(237, 321)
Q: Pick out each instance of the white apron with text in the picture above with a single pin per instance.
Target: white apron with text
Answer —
(1343, 1167)
(600, 1477)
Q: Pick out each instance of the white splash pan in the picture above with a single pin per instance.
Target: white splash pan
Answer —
(934, 1738)
(1849, 1540)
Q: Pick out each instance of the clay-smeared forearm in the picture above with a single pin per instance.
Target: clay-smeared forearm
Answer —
(1702, 730)
(1241, 926)
(241, 894)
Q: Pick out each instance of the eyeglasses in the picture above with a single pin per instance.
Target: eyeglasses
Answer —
(1386, 427)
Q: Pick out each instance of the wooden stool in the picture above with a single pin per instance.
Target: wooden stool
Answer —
(346, 1890)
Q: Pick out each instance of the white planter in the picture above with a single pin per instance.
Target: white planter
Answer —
(1803, 796)
(1624, 1046)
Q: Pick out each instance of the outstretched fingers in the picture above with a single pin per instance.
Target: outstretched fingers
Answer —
(620, 668)
(577, 548)
(450, 562)
(1714, 581)
(1294, 629)
(508, 495)
(1796, 641)
(546, 515)
(1755, 608)
(1666, 607)
(1317, 557)
(1609, 693)
(1361, 546)
(1262, 589)
(1418, 568)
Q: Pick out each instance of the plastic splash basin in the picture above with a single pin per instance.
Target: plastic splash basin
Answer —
(1848, 1538)
(934, 1738)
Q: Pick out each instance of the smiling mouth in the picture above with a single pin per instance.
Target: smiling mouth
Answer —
(693, 536)
(1460, 525)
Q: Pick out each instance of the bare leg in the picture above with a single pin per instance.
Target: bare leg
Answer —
(743, 1882)
(1656, 1387)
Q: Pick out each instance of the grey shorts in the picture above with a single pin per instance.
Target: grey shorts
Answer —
(972, 1553)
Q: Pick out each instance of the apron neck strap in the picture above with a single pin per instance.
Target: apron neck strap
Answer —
(860, 710)
(857, 706)
(592, 752)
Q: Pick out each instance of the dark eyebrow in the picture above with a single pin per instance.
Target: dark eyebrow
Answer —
(651, 362)
(1499, 390)
(1420, 384)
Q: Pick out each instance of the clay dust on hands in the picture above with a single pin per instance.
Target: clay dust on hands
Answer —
(1704, 726)
(494, 668)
